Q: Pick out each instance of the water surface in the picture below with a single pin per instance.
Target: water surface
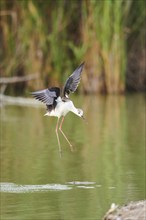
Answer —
(107, 165)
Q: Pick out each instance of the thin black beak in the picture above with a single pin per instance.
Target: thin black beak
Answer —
(84, 118)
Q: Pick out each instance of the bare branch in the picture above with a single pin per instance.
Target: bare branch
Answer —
(15, 79)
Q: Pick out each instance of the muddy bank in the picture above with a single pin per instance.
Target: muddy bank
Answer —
(131, 211)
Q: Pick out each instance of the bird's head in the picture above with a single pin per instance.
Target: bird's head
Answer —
(80, 113)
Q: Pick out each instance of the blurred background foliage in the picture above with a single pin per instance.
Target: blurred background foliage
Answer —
(52, 37)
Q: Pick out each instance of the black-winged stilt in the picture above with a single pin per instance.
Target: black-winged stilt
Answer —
(59, 104)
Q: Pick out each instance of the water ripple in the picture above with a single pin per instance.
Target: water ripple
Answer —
(81, 183)
(16, 188)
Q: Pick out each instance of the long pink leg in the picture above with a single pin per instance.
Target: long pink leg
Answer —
(58, 137)
(60, 128)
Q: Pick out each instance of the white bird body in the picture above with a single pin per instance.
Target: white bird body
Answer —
(62, 108)
(58, 106)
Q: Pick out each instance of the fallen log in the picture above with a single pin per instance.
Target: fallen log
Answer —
(15, 79)
(4, 81)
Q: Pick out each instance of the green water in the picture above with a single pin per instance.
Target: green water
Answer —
(107, 165)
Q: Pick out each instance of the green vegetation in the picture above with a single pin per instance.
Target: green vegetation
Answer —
(53, 37)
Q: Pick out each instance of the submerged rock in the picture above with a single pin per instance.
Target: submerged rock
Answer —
(131, 211)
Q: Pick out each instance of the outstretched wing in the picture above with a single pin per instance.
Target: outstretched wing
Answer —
(47, 96)
(73, 81)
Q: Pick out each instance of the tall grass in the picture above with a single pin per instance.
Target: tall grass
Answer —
(103, 30)
(52, 37)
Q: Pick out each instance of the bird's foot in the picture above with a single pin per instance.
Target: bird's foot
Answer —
(60, 153)
(71, 148)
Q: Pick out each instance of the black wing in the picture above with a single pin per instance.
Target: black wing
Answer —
(73, 81)
(48, 96)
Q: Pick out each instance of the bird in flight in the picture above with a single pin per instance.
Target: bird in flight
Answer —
(58, 104)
